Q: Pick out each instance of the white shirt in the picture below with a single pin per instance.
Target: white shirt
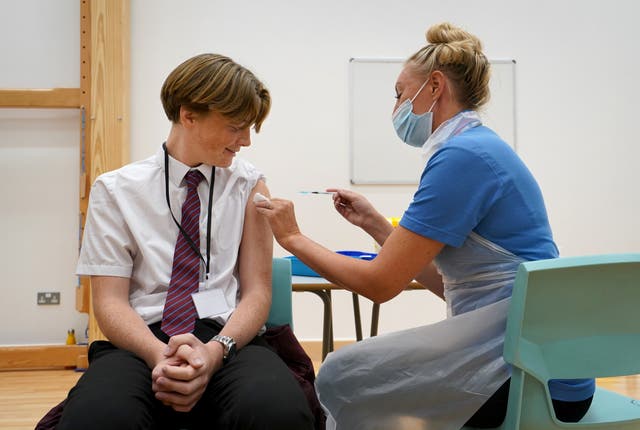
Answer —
(129, 231)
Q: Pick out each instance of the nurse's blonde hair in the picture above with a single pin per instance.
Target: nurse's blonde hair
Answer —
(458, 55)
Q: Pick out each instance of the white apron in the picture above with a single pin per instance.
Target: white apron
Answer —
(433, 377)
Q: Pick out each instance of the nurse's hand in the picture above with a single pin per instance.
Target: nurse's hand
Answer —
(354, 207)
(281, 217)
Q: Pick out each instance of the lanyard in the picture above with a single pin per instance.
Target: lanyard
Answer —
(184, 233)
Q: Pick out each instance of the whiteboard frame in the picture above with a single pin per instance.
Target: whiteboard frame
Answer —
(351, 109)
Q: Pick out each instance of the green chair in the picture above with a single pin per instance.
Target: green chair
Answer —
(281, 309)
(573, 318)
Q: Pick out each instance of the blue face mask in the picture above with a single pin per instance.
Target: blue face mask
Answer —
(413, 129)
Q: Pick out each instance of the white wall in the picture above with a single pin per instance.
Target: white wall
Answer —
(577, 84)
(39, 168)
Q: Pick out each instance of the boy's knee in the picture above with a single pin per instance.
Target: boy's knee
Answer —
(272, 405)
(104, 415)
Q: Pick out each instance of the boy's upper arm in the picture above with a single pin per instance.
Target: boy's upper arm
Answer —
(256, 248)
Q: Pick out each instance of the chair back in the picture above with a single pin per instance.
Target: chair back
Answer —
(281, 312)
(572, 318)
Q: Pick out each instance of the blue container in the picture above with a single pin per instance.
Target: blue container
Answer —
(300, 269)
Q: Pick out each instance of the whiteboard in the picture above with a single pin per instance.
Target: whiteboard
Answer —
(378, 156)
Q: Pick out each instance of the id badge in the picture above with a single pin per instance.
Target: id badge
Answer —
(209, 303)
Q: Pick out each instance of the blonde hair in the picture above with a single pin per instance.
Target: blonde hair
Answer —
(215, 82)
(458, 55)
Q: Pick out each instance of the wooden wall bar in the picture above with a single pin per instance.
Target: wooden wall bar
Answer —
(110, 71)
(40, 98)
(108, 113)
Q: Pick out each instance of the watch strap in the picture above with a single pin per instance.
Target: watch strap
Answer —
(228, 346)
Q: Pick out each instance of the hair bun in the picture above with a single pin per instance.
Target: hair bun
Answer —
(458, 54)
(446, 33)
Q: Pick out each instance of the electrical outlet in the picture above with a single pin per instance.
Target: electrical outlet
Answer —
(49, 298)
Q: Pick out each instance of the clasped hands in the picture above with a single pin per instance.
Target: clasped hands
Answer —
(180, 378)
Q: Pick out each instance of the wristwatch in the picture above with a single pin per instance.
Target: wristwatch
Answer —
(228, 347)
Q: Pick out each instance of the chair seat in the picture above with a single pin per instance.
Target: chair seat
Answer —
(610, 407)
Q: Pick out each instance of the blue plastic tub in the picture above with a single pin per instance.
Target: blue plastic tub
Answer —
(300, 269)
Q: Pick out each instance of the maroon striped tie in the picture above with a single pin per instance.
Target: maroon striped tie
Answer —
(179, 313)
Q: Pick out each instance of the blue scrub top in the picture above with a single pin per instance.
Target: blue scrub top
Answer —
(476, 182)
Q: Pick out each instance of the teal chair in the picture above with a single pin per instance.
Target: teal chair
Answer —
(281, 312)
(573, 318)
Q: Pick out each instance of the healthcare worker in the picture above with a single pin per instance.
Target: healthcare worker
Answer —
(476, 215)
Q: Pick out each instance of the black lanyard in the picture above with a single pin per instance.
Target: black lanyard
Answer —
(184, 233)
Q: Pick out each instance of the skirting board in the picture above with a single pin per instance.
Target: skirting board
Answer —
(42, 356)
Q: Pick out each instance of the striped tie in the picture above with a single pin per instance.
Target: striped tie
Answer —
(179, 313)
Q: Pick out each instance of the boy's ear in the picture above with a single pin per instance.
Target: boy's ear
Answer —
(187, 116)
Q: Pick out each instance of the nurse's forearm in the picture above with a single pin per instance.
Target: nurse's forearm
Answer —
(378, 228)
(346, 272)
(371, 279)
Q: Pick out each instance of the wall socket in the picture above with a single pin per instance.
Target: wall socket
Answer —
(49, 298)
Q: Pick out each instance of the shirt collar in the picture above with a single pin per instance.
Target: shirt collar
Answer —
(178, 170)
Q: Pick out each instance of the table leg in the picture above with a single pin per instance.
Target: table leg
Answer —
(375, 314)
(327, 330)
(356, 316)
(330, 325)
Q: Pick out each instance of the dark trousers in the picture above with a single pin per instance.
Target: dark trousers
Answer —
(494, 410)
(255, 390)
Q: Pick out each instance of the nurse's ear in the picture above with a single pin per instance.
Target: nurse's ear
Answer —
(437, 84)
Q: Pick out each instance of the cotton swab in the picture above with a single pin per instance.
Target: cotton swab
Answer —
(260, 198)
